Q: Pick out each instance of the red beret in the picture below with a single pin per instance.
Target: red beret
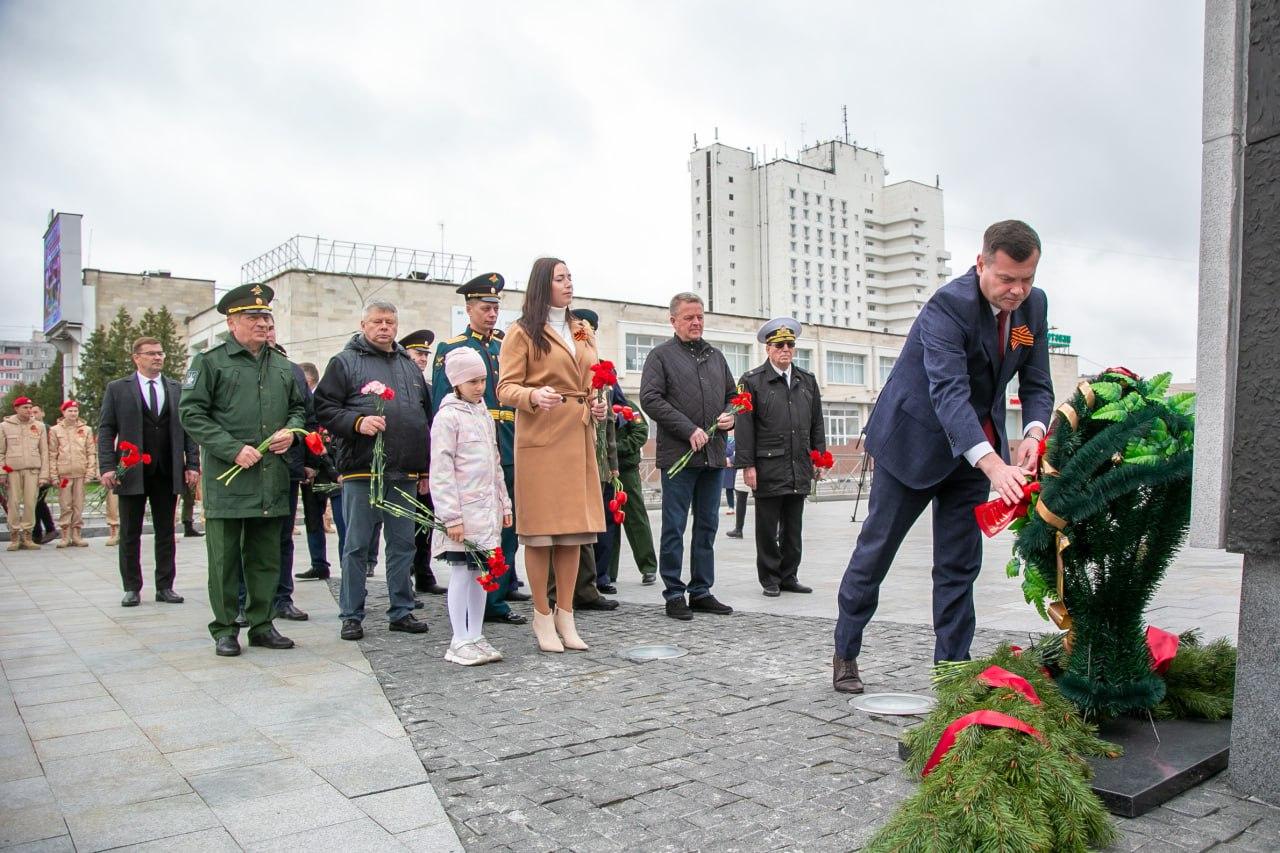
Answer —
(70, 404)
(22, 401)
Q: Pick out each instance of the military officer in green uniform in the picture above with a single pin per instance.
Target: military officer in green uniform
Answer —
(235, 396)
(483, 295)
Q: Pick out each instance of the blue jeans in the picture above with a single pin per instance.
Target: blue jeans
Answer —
(362, 520)
(698, 488)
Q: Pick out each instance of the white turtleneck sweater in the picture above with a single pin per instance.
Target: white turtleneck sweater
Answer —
(558, 320)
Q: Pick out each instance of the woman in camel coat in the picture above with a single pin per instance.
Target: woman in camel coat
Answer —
(545, 375)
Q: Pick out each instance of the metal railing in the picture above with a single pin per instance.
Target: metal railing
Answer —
(321, 254)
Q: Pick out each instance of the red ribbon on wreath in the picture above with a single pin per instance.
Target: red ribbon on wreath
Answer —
(991, 719)
(995, 676)
(995, 515)
(1163, 647)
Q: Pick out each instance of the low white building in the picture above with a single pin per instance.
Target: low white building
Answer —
(821, 238)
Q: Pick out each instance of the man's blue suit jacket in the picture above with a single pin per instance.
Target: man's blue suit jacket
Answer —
(949, 376)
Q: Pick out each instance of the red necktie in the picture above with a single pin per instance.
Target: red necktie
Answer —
(1002, 333)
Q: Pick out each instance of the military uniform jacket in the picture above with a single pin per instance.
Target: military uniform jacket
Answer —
(504, 417)
(229, 399)
(776, 437)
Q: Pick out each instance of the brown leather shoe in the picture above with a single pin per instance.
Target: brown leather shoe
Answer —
(844, 675)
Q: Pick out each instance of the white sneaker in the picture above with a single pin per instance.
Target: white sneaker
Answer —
(466, 654)
(485, 646)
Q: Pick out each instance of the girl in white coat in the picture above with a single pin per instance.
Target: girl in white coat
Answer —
(470, 498)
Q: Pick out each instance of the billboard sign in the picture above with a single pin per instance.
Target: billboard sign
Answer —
(63, 277)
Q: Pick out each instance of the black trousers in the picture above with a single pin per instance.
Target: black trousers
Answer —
(133, 508)
(778, 524)
(423, 577)
(43, 524)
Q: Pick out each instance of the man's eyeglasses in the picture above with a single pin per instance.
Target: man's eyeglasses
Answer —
(152, 354)
(783, 344)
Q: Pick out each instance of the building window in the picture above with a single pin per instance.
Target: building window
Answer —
(886, 367)
(738, 356)
(803, 359)
(792, 191)
(842, 422)
(730, 247)
(793, 213)
(846, 368)
(730, 196)
(731, 230)
(731, 179)
(638, 347)
(731, 213)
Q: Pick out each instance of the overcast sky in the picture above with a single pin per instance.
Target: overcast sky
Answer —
(195, 136)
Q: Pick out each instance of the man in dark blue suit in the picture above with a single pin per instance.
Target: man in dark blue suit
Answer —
(937, 434)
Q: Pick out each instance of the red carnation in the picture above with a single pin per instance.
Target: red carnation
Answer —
(603, 375)
(1122, 371)
(146, 459)
(314, 443)
(622, 498)
(64, 483)
(8, 470)
(613, 505)
(619, 516)
(617, 408)
(741, 402)
(628, 413)
(388, 394)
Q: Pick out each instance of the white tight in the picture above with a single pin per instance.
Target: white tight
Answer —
(466, 603)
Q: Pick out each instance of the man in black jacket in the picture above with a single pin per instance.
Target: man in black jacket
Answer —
(773, 444)
(685, 386)
(142, 408)
(346, 406)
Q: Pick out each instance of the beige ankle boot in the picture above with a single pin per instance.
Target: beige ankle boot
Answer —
(113, 534)
(77, 539)
(28, 542)
(568, 632)
(65, 540)
(15, 541)
(544, 629)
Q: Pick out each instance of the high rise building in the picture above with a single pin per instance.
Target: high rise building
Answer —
(821, 238)
(24, 361)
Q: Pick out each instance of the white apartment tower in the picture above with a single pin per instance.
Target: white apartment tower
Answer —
(821, 239)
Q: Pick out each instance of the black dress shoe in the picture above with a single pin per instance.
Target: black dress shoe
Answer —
(597, 604)
(352, 630)
(313, 574)
(409, 625)
(168, 596)
(647, 578)
(227, 647)
(772, 591)
(417, 604)
(190, 530)
(509, 618)
(432, 589)
(608, 589)
(844, 675)
(517, 595)
(677, 608)
(292, 613)
(734, 534)
(708, 604)
(241, 620)
(368, 572)
(794, 586)
(131, 599)
(270, 639)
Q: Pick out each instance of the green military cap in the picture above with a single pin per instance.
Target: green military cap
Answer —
(590, 316)
(421, 339)
(247, 299)
(778, 330)
(485, 287)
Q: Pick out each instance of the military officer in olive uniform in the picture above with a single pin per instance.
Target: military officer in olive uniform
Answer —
(483, 295)
(773, 444)
(235, 396)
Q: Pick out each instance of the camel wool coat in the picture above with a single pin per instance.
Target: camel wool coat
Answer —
(557, 482)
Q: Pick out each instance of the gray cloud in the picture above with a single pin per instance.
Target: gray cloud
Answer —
(196, 136)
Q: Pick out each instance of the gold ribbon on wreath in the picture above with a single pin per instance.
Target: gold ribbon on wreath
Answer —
(1057, 610)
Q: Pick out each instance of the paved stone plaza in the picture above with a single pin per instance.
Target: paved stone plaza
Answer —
(119, 727)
